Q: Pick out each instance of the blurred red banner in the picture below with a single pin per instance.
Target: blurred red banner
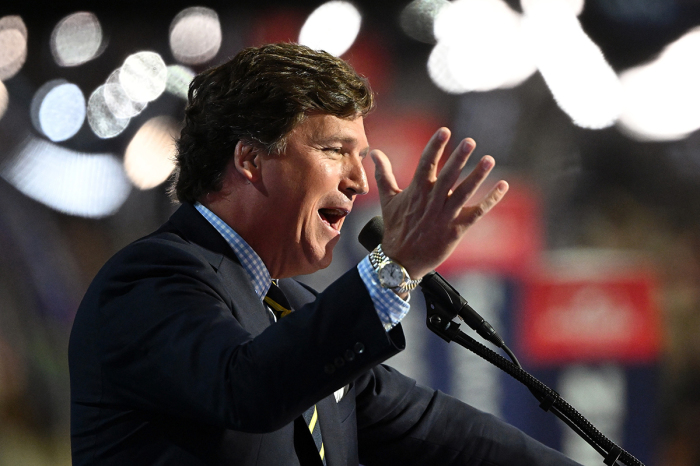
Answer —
(596, 316)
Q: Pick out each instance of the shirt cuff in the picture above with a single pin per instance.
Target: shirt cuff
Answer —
(389, 306)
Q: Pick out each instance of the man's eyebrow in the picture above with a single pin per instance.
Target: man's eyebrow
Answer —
(338, 138)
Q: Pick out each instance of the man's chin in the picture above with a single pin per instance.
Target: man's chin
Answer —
(318, 258)
(327, 258)
(323, 265)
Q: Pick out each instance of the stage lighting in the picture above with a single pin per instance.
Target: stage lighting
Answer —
(143, 76)
(76, 39)
(13, 46)
(149, 158)
(332, 27)
(582, 82)
(58, 110)
(195, 35)
(102, 121)
(86, 185)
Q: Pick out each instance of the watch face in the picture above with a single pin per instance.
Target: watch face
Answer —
(391, 275)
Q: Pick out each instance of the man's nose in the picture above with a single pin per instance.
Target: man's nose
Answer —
(355, 179)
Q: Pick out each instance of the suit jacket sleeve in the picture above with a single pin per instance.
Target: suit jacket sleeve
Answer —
(161, 330)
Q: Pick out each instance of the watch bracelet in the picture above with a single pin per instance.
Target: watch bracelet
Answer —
(377, 258)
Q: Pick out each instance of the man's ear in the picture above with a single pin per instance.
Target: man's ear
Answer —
(246, 159)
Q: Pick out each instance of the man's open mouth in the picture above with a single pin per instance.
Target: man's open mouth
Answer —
(333, 217)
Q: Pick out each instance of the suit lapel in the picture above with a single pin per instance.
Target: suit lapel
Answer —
(246, 307)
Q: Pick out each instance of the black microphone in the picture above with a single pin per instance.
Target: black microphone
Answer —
(434, 285)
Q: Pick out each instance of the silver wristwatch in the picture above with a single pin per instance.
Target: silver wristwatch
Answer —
(391, 274)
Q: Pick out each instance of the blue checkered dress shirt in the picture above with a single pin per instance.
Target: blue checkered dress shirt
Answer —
(390, 307)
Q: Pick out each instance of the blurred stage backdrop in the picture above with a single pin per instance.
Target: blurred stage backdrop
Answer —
(590, 267)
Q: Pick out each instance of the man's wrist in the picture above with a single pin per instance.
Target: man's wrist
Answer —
(391, 274)
(390, 308)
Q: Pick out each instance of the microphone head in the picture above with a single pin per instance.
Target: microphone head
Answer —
(371, 234)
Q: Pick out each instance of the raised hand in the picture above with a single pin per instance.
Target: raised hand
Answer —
(424, 222)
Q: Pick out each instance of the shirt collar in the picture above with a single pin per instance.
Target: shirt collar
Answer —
(253, 265)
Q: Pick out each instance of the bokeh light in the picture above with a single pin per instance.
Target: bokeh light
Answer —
(4, 99)
(332, 27)
(195, 35)
(143, 76)
(441, 73)
(149, 158)
(178, 81)
(118, 101)
(661, 98)
(487, 54)
(76, 39)
(582, 82)
(574, 7)
(418, 18)
(86, 185)
(13, 46)
(58, 110)
(102, 121)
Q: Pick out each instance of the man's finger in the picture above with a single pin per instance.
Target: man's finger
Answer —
(466, 189)
(453, 167)
(470, 214)
(386, 182)
(428, 163)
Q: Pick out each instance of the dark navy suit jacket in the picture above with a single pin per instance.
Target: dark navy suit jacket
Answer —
(174, 360)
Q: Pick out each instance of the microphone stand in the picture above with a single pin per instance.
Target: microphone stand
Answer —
(443, 304)
(440, 321)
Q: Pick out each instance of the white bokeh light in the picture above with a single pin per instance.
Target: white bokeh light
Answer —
(441, 73)
(661, 98)
(179, 79)
(332, 27)
(86, 185)
(58, 110)
(574, 7)
(195, 35)
(488, 54)
(76, 39)
(116, 99)
(582, 82)
(143, 76)
(149, 157)
(13, 46)
(102, 121)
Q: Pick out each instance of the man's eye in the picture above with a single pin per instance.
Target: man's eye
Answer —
(335, 150)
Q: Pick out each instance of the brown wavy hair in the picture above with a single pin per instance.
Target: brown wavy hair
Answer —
(259, 96)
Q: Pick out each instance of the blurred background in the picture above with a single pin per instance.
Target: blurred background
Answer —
(589, 268)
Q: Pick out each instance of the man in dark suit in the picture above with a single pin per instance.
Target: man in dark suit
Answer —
(184, 350)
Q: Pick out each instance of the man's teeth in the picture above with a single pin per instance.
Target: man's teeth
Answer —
(336, 212)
